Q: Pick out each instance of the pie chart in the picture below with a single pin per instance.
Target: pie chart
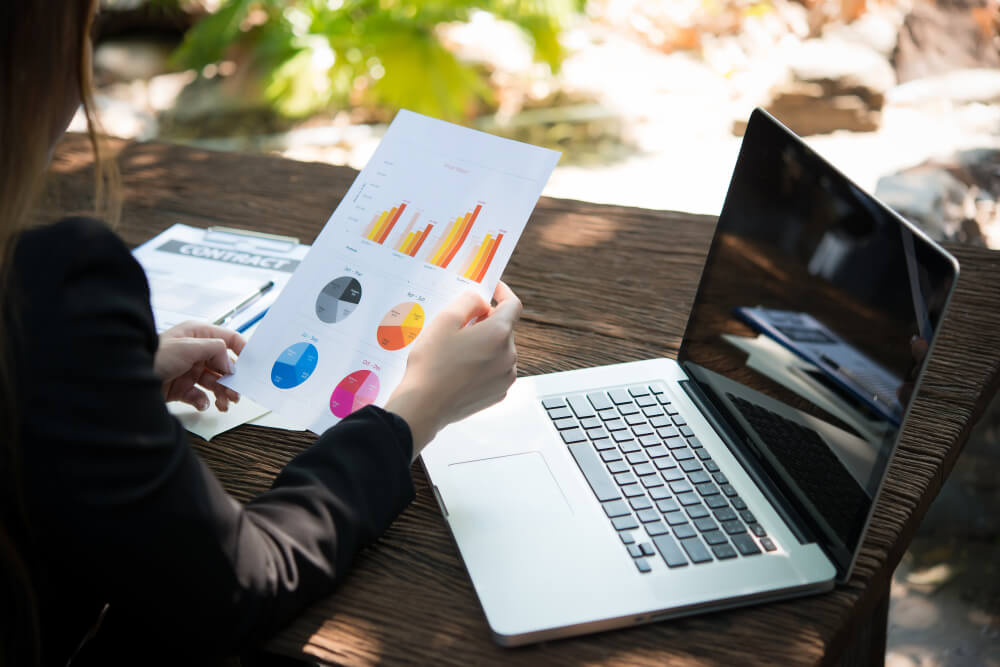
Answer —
(294, 366)
(354, 392)
(338, 299)
(400, 326)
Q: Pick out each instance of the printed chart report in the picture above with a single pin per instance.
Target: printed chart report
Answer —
(436, 211)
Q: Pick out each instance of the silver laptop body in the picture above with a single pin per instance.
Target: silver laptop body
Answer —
(606, 497)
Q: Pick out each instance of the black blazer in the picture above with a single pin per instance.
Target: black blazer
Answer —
(122, 511)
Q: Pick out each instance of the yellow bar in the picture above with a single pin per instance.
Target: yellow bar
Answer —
(444, 245)
(381, 228)
(479, 256)
(378, 226)
(463, 223)
(407, 242)
(371, 226)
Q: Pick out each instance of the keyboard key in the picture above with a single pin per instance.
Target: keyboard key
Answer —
(550, 403)
(642, 565)
(663, 398)
(690, 465)
(694, 442)
(748, 516)
(644, 469)
(703, 524)
(634, 551)
(597, 475)
(667, 505)
(671, 553)
(659, 493)
(699, 477)
(636, 457)
(652, 441)
(659, 422)
(767, 544)
(611, 455)
(638, 390)
(632, 490)
(675, 518)
(670, 408)
(615, 425)
(599, 400)
(642, 429)
(560, 413)
(738, 503)
(745, 544)
(563, 424)
(672, 474)
(656, 389)
(708, 489)
(696, 551)
(591, 422)
(758, 530)
(619, 396)
(648, 515)
(684, 530)
(720, 478)
(605, 443)
(645, 401)
(733, 527)
(696, 511)
(656, 528)
(618, 466)
(669, 432)
(606, 415)
(639, 502)
(634, 420)
(581, 406)
(715, 537)
(703, 454)
(656, 451)
(728, 489)
(625, 478)
(725, 514)
(647, 549)
(652, 411)
(674, 443)
(622, 436)
(629, 409)
(678, 420)
(715, 502)
(685, 430)
(649, 481)
(711, 466)
(683, 454)
(629, 446)
(724, 551)
(688, 498)
(664, 463)
(615, 508)
(627, 537)
(573, 435)
(680, 486)
(624, 522)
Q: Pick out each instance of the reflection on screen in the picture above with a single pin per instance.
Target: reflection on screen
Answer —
(813, 316)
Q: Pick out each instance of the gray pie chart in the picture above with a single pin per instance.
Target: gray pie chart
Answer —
(338, 299)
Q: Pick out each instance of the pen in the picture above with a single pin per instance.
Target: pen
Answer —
(252, 321)
(245, 303)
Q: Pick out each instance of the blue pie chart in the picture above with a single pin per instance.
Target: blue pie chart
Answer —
(294, 366)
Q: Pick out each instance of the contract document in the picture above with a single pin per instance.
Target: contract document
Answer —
(436, 211)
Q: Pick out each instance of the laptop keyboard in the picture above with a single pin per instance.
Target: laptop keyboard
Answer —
(659, 487)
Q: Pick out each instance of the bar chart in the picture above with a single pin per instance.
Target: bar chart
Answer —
(382, 224)
(451, 242)
(478, 258)
(412, 240)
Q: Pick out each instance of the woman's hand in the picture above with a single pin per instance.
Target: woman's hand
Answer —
(193, 353)
(464, 361)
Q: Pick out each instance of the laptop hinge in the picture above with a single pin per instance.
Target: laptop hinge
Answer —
(736, 444)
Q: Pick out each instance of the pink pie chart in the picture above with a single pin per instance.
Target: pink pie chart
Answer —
(354, 392)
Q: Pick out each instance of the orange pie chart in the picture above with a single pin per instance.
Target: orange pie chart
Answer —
(401, 326)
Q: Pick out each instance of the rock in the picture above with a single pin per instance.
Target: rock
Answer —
(832, 84)
(937, 39)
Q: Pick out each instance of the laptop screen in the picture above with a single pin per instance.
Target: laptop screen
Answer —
(814, 314)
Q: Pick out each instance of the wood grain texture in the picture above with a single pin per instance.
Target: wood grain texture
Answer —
(600, 284)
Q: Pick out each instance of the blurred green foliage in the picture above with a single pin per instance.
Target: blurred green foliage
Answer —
(308, 55)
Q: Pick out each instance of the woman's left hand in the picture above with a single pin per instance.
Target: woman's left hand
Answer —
(193, 353)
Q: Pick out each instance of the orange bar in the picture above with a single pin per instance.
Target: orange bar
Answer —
(371, 226)
(405, 243)
(392, 223)
(420, 241)
(489, 260)
(465, 233)
(378, 225)
(472, 264)
(406, 233)
(445, 245)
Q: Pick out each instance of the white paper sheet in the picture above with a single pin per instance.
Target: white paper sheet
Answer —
(437, 211)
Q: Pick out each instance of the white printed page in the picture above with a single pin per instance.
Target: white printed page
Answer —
(436, 211)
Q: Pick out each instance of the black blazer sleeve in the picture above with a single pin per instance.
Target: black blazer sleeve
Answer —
(124, 511)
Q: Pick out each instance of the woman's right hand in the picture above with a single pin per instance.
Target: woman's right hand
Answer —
(463, 361)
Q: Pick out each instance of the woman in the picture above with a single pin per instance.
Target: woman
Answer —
(116, 541)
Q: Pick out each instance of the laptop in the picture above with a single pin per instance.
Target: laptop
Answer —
(612, 496)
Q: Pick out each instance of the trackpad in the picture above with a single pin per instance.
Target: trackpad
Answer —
(517, 488)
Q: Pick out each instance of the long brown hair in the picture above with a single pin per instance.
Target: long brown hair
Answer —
(45, 59)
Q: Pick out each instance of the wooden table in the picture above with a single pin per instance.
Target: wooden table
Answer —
(600, 284)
